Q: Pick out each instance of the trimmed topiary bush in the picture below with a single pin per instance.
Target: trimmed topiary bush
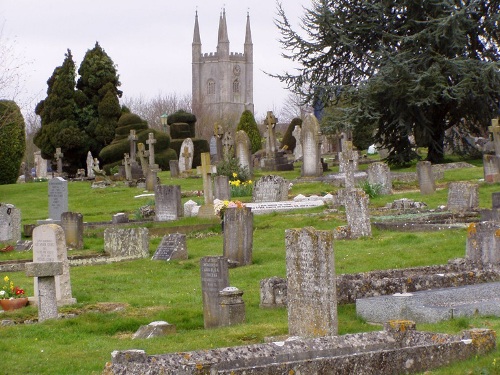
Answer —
(248, 125)
(288, 139)
(182, 116)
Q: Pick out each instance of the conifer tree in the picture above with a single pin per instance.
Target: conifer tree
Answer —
(12, 141)
(248, 124)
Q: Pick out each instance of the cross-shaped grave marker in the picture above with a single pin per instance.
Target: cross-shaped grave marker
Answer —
(151, 148)
(187, 155)
(495, 130)
(271, 137)
(128, 169)
(59, 155)
(207, 170)
(133, 140)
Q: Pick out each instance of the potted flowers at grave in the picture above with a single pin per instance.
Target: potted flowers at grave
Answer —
(12, 296)
(220, 207)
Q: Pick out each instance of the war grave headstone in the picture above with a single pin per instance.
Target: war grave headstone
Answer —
(222, 189)
(357, 213)
(483, 243)
(58, 156)
(244, 150)
(126, 242)
(463, 196)
(297, 134)
(49, 246)
(72, 224)
(186, 156)
(379, 174)
(425, 178)
(10, 223)
(238, 235)
(172, 246)
(311, 288)
(58, 198)
(174, 168)
(311, 163)
(273, 292)
(214, 278)
(90, 165)
(40, 165)
(232, 307)
(207, 171)
(45, 268)
(168, 205)
(270, 188)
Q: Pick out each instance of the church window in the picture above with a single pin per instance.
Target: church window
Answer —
(236, 86)
(211, 87)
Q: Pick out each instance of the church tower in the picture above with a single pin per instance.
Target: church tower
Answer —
(222, 81)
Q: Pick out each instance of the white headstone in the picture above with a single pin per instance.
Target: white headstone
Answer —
(186, 155)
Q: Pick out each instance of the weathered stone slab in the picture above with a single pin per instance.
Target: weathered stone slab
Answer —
(154, 329)
(72, 223)
(267, 207)
(425, 177)
(238, 235)
(222, 189)
(10, 223)
(214, 278)
(58, 197)
(126, 242)
(232, 307)
(172, 246)
(463, 196)
(168, 205)
(273, 292)
(311, 164)
(270, 188)
(243, 148)
(379, 174)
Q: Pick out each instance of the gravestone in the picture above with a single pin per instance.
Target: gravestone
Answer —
(425, 177)
(58, 198)
(494, 129)
(491, 167)
(463, 196)
(168, 205)
(172, 246)
(311, 160)
(120, 218)
(483, 243)
(495, 200)
(222, 189)
(207, 170)
(348, 153)
(40, 165)
(154, 329)
(90, 165)
(72, 223)
(133, 138)
(232, 307)
(227, 146)
(349, 180)
(357, 213)
(270, 188)
(297, 134)
(151, 149)
(49, 246)
(270, 135)
(238, 235)
(189, 208)
(174, 168)
(186, 156)
(58, 156)
(379, 174)
(215, 149)
(244, 151)
(214, 278)
(128, 167)
(126, 242)
(311, 287)
(10, 223)
(143, 158)
(273, 292)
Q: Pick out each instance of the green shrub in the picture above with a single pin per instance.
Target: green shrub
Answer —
(372, 190)
(232, 169)
(12, 141)
(248, 125)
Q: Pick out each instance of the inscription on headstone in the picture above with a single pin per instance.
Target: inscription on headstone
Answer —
(172, 246)
(58, 198)
(168, 202)
(238, 235)
(214, 278)
(270, 189)
(463, 196)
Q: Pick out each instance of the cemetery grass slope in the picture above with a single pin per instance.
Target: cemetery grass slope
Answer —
(114, 300)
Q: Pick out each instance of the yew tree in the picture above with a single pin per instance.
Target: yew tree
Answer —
(408, 68)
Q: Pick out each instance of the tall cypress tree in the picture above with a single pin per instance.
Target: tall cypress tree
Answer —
(12, 141)
(412, 67)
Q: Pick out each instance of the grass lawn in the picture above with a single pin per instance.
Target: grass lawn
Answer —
(115, 300)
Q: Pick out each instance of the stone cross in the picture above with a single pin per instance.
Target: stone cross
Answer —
(187, 156)
(143, 154)
(151, 148)
(206, 170)
(227, 145)
(495, 130)
(271, 137)
(59, 155)
(128, 169)
(90, 165)
(133, 140)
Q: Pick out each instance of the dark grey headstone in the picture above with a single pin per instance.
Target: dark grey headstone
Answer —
(495, 200)
(168, 202)
(58, 197)
(172, 246)
(238, 235)
(222, 190)
(174, 168)
(72, 223)
(214, 278)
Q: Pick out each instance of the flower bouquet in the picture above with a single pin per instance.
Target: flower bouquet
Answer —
(220, 206)
(11, 296)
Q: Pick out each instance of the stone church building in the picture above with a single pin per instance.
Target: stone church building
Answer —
(222, 81)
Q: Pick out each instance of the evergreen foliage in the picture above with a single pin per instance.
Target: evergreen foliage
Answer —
(181, 116)
(288, 138)
(408, 68)
(12, 141)
(248, 125)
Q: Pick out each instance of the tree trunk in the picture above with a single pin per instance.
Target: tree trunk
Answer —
(435, 150)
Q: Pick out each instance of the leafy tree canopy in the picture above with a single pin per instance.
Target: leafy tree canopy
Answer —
(12, 141)
(412, 67)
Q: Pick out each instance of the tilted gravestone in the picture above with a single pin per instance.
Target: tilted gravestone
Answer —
(58, 198)
(168, 205)
(243, 148)
(270, 188)
(222, 189)
(379, 174)
(172, 246)
(49, 246)
(126, 242)
(311, 287)
(463, 196)
(10, 223)
(311, 160)
(72, 223)
(214, 278)
(186, 156)
(425, 178)
(238, 235)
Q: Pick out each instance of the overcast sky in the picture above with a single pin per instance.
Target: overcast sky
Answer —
(149, 41)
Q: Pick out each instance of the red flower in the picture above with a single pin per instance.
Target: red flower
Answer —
(18, 291)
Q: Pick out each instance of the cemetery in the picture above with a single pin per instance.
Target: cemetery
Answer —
(309, 266)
